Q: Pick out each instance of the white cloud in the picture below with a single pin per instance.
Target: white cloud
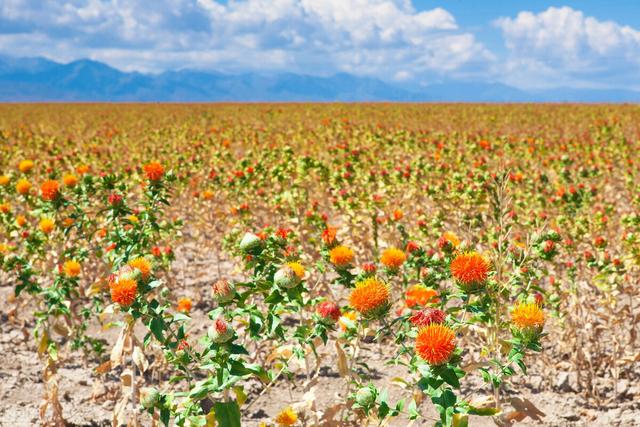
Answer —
(563, 46)
(382, 38)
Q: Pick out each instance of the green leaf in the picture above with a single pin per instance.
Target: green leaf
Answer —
(227, 414)
(157, 327)
(450, 377)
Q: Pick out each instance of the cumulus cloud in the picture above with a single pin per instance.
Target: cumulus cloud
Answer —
(382, 38)
(563, 46)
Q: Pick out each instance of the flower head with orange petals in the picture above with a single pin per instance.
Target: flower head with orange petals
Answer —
(124, 291)
(470, 269)
(329, 235)
(370, 298)
(143, 265)
(393, 258)
(25, 166)
(23, 186)
(153, 171)
(435, 343)
(527, 316)
(341, 256)
(420, 295)
(70, 180)
(287, 417)
(46, 225)
(50, 190)
(71, 268)
(184, 305)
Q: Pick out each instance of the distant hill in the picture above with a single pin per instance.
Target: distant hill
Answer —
(39, 79)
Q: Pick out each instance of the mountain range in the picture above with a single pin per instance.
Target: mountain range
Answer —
(40, 79)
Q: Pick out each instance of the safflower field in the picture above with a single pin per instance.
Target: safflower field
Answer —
(319, 265)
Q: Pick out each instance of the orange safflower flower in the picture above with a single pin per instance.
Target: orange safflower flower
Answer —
(329, 235)
(435, 343)
(526, 316)
(46, 225)
(4, 179)
(154, 171)
(23, 186)
(341, 256)
(25, 166)
(50, 190)
(70, 180)
(420, 295)
(370, 297)
(21, 220)
(393, 258)
(470, 269)
(71, 268)
(184, 305)
(82, 169)
(5, 207)
(287, 417)
(124, 291)
(142, 265)
(207, 194)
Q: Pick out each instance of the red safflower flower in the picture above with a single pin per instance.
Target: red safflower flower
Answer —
(329, 311)
(427, 317)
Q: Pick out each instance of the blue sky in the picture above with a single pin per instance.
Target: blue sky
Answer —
(532, 44)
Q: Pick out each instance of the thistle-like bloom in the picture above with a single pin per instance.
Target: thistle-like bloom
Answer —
(142, 265)
(393, 258)
(153, 171)
(329, 235)
(329, 311)
(25, 166)
(341, 256)
(420, 295)
(124, 291)
(21, 220)
(470, 269)
(4, 179)
(527, 316)
(50, 190)
(223, 291)
(23, 186)
(70, 180)
(82, 169)
(370, 297)
(427, 317)
(297, 268)
(287, 417)
(5, 207)
(46, 225)
(435, 343)
(184, 305)
(71, 268)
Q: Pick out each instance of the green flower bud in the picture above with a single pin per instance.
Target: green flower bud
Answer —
(250, 243)
(286, 278)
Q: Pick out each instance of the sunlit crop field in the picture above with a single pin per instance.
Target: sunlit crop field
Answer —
(319, 264)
